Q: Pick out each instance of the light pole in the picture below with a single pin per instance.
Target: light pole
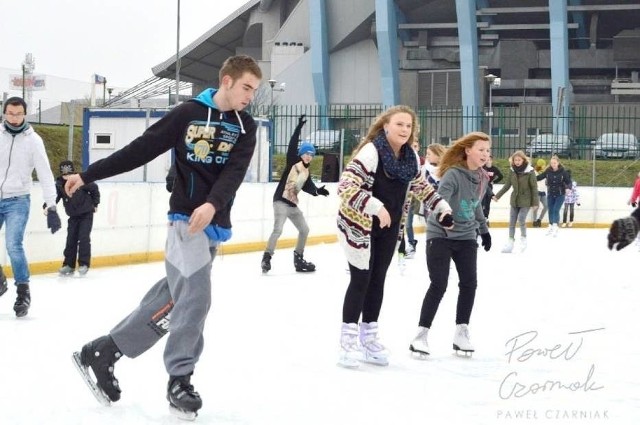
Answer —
(272, 84)
(490, 79)
(178, 57)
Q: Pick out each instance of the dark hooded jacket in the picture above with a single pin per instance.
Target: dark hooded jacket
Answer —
(213, 149)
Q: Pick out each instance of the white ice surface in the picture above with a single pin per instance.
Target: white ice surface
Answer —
(272, 343)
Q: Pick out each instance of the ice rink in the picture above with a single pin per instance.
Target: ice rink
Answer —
(554, 330)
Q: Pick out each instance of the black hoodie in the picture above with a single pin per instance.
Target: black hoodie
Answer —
(213, 150)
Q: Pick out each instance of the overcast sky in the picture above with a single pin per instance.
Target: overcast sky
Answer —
(118, 39)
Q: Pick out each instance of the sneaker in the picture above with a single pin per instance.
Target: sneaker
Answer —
(373, 351)
(508, 247)
(419, 344)
(65, 271)
(3, 282)
(461, 339)
(184, 401)
(23, 300)
(82, 270)
(100, 355)
(350, 354)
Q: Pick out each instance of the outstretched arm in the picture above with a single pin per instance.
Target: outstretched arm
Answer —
(292, 150)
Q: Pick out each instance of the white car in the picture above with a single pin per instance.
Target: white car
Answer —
(617, 145)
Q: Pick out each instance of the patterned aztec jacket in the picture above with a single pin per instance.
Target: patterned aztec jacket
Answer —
(573, 197)
(358, 205)
(295, 176)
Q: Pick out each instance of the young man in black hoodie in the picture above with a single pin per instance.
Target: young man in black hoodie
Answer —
(295, 178)
(213, 141)
(80, 209)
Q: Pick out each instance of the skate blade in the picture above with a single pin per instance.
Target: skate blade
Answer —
(419, 354)
(376, 362)
(462, 353)
(182, 414)
(93, 387)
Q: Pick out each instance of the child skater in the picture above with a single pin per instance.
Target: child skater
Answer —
(463, 184)
(522, 178)
(571, 199)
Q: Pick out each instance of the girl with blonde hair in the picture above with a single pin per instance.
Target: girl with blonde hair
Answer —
(374, 200)
(522, 178)
(463, 184)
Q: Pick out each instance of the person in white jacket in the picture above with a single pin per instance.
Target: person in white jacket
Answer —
(21, 152)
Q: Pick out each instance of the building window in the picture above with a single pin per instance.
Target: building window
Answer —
(103, 141)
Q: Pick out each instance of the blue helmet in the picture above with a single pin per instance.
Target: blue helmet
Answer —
(306, 147)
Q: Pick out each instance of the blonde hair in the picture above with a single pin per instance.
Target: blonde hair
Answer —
(437, 149)
(456, 154)
(519, 154)
(385, 118)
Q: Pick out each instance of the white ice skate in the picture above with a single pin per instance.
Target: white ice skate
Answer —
(461, 343)
(420, 346)
(554, 231)
(350, 354)
(372, 350)
(523, 243)
(508, 247)
(402, 265)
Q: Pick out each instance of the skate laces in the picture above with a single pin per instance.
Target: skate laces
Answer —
(463, 332)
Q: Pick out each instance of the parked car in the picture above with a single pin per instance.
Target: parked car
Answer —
(549, 144)
(616, 145)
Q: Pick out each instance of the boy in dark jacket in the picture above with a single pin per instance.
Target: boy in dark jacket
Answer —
(80, 209)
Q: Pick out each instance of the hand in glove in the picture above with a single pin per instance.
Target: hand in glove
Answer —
(322, 191)
(622, 232)
(486, 241)
(634, 204)
(53, 219)
(445, 219)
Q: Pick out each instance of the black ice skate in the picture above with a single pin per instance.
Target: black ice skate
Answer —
(302, 265)
(3, 282)
(184, 401)
(266, 262)
(23, 300)
(99, 356)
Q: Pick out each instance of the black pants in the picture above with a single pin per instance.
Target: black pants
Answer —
(486, 202)
(568, 208)
(78, 240)
(366, 288)
(464, 254)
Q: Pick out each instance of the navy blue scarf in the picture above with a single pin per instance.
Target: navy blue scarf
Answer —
(403, 168)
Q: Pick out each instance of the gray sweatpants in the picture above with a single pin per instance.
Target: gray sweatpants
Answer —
(282, 212)
(177, 304)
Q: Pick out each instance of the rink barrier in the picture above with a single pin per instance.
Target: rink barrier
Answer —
(130, 224)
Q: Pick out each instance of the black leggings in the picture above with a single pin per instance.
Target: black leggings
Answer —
(564, 212)
(366, 288)
(464, 254)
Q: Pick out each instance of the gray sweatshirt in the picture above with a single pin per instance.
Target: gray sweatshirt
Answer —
(463, 190)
